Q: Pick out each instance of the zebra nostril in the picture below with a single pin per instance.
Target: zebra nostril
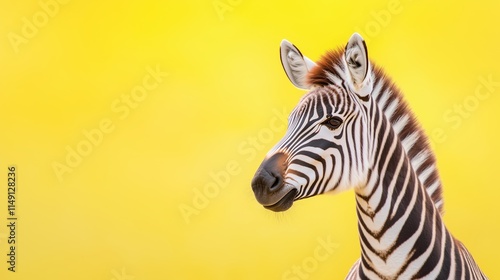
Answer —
(277, 183)
(269, 176)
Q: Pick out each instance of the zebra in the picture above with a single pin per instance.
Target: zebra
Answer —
(354, 130)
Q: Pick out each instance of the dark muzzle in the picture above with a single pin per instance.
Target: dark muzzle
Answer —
(268, 184)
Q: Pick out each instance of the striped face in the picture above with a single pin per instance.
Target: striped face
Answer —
(324, 143)
(326, 146)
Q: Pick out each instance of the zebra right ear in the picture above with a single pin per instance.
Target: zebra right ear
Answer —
(296, 65)
(356, 58)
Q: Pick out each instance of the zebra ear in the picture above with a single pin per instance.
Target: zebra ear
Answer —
(296, 65)
(356, 58)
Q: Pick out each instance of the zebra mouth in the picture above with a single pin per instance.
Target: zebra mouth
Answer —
(284, 203)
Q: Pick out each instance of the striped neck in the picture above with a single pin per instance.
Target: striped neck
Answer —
(397, 219)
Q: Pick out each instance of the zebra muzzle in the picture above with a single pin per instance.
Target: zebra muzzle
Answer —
(269, 187)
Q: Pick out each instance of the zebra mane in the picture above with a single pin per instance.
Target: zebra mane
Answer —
(390, 99)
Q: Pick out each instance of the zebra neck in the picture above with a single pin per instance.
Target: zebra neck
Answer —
(395, 213)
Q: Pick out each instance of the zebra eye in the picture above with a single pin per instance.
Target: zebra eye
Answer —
(332, 122)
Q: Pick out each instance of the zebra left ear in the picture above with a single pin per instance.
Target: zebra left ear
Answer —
(356, 59)
(296, 65)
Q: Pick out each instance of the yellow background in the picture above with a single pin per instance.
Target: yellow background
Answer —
(117, 214)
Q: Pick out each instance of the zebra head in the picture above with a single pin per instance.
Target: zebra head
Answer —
(326, 146)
